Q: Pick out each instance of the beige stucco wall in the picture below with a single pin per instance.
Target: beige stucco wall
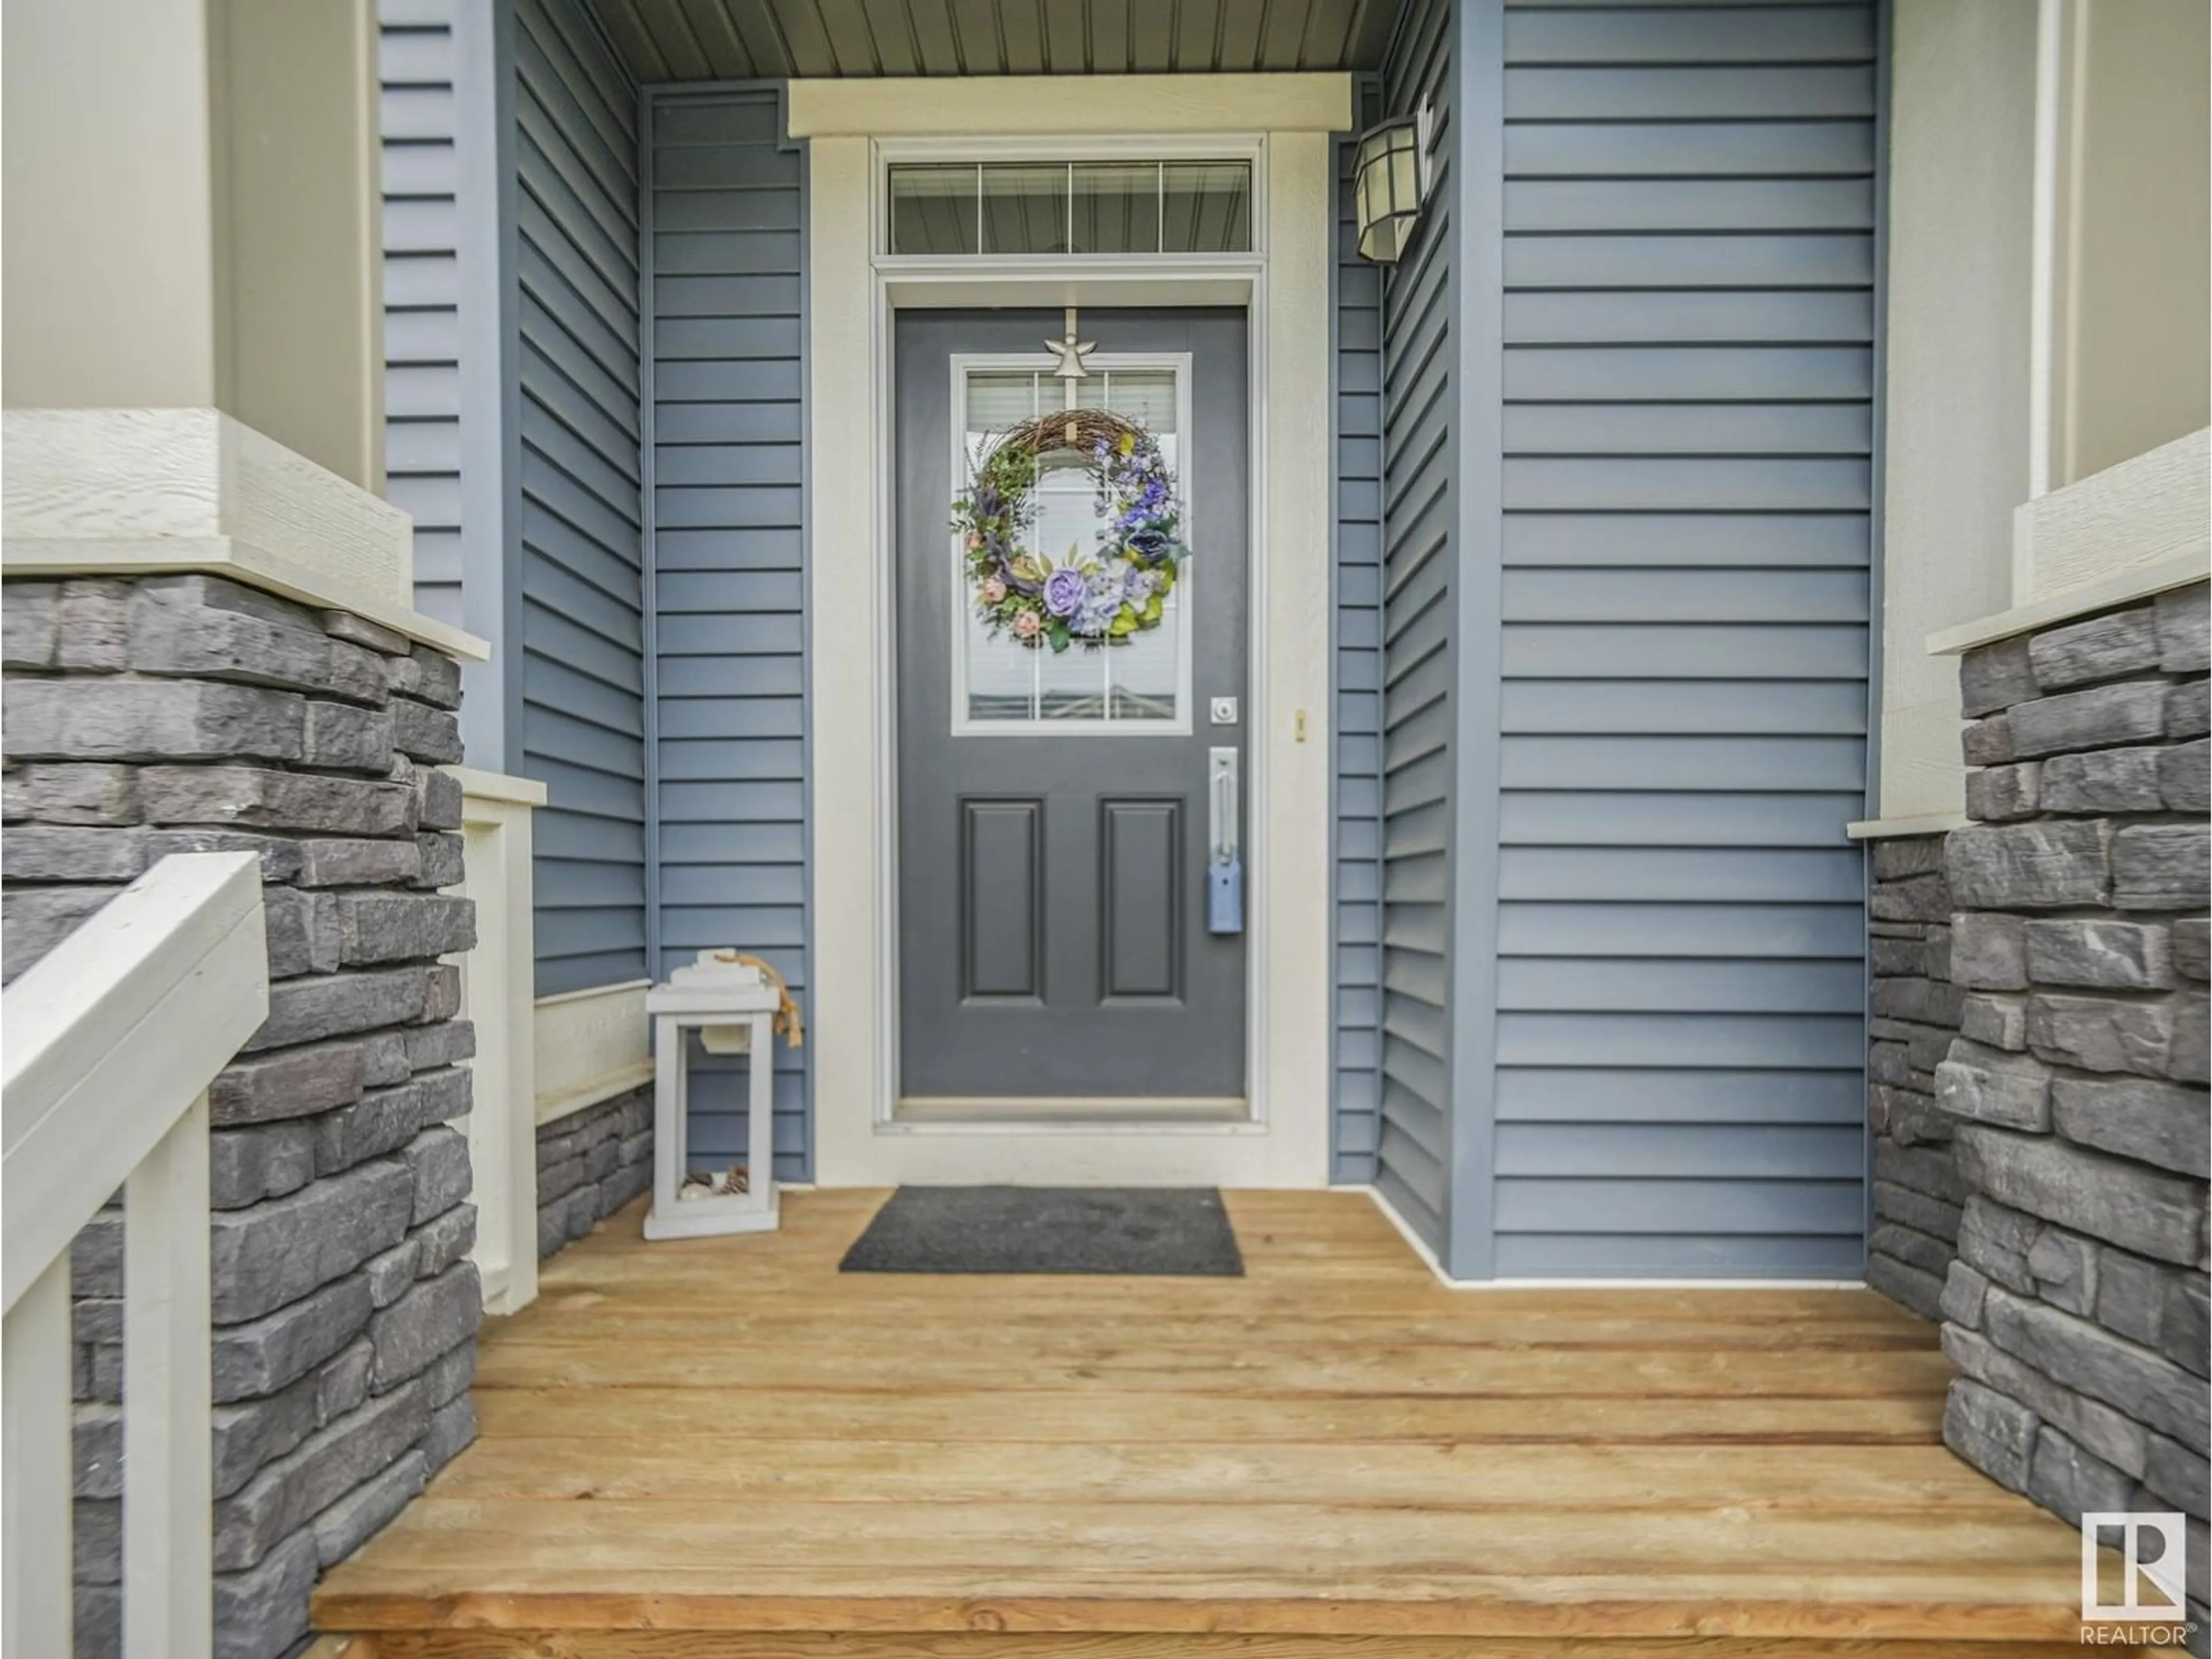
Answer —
(1962, 121)
(2136, 245)
(190, 216)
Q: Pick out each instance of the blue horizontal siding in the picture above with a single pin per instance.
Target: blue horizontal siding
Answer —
(1356, 434)
(1687, 476)
(420, 162)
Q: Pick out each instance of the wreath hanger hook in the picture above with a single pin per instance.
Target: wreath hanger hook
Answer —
(1071, 352)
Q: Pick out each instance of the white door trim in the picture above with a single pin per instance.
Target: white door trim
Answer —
(854, 296)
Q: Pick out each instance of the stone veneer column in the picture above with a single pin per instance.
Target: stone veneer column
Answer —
(1915, 1015)
(2076, 1310)
(188, 714)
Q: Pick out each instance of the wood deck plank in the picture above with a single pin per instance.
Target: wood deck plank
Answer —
(1009, 1417)
(1078, 1362)
(1900, 1482)
(729, 1435)
(1042, 1537)
(616, 1317)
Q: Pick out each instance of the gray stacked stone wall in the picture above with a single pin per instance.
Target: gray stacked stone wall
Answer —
(186, 714)
(1914, 1016)
(2076, 1309)
(590, 1164)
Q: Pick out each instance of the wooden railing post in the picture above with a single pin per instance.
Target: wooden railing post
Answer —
(169, 1597)
(38, 1592)
(496, 987)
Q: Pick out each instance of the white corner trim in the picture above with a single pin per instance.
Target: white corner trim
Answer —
(1429, 1260)
(140, 491)
(1920, 823)
(2048, 233)
(2121, 587)
(606, 1086)
(590, 1046)
(495, 994)
(501, 786)
(1420, 1245)
(596, 993)
(962, 106)
(2149, 510)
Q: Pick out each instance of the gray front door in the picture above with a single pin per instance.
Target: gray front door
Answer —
(1054, 812)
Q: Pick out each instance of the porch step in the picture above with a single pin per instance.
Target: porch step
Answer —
(673, 1644)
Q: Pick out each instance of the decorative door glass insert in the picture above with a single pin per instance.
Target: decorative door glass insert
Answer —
(997, 208)
(1002, 684)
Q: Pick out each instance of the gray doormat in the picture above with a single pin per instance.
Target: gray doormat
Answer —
(1169, 1231)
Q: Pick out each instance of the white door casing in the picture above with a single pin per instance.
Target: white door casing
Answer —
(852, 292)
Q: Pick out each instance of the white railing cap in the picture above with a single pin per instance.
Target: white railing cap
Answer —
(113, 1034)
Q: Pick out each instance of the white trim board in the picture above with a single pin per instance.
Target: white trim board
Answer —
(852, 298)
(1101, 107)
(146, 491)
(2122, 588)
(479, 785)
(1429, 1260)
(502, 1121)
(2148, 511)
(589, 1046)
(1918, 824)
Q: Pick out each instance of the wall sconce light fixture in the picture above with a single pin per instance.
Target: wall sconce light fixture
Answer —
(1392, 169)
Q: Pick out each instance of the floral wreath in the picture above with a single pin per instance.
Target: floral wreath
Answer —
(1101, 599)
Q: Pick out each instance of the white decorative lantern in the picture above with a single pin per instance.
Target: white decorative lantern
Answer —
(732, 1006)
(1391, 168)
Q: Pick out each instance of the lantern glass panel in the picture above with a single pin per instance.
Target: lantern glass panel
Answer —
(1388, 188)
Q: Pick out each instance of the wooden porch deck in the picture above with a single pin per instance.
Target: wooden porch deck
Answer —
(725, 1447)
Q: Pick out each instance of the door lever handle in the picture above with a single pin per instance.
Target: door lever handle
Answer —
(1224, 872)
(1221, 768)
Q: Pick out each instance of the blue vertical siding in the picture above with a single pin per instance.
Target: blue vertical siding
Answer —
(727, 423)
(419, 166)
(1688, 313)
(1356, 368)
(1418, 504)
(578, 523)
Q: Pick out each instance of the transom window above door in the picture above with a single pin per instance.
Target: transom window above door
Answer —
(1001, 685)
(1001, 207)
